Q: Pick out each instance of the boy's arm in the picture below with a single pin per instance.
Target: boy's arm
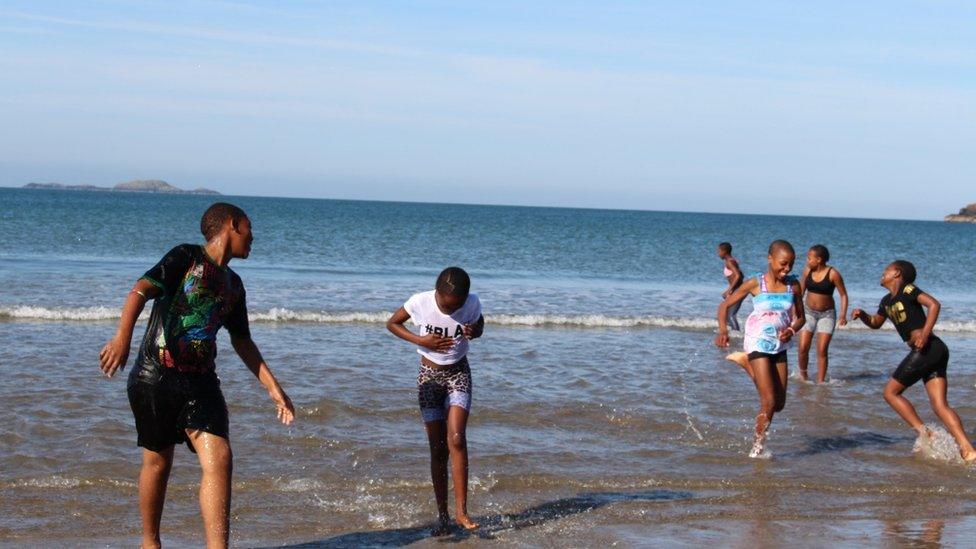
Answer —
(251, 355)
(433, 342)
(115, 353)
(871, 321)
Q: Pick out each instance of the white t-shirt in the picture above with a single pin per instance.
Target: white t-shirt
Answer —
(424, 313)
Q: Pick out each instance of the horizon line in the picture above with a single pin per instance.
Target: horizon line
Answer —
(497, 205)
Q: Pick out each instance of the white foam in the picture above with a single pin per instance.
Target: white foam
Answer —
(285, 315)
(28, 312)
(940, 446)
(604, 321)
(299, 485)
(280, 314)
(59, 481)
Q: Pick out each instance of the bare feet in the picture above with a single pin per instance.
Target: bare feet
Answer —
(443, 527)
(465, 522)
(969, 456)
(758, 446)
(742, 360)
(803, 375)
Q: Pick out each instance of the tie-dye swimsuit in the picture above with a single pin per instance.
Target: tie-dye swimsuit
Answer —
(771, 314)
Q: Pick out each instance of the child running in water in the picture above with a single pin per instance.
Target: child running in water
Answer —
(448, 317)
(777, 315)
(734, 276)
(173, 389)
(927, 358)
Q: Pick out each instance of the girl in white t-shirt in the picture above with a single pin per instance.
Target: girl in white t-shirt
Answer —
(447, 318)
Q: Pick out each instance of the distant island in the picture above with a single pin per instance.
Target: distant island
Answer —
(965, 215)
(137, 186)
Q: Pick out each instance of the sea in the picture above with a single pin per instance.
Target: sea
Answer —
(603, 415)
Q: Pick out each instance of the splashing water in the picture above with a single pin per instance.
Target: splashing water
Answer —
(940, 446)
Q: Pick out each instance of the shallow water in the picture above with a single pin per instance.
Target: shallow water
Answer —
(561, 445)
(602, 412)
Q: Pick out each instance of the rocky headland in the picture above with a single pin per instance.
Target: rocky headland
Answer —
(136, 186)
(965, 215)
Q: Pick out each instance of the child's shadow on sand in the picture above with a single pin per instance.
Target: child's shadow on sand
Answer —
(842, 443)
(539, 514)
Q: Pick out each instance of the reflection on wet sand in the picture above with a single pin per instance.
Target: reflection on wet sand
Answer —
(926, 534)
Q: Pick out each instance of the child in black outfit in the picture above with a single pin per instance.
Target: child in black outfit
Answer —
(928, 358)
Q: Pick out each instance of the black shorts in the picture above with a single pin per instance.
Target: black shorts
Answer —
(165, 410)
(926, 364)
(776, 358)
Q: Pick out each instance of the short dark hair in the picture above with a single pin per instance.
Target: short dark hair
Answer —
(453, 281)
(213, 219)
(821, 251)
(908, 272)
(725, 247)
(781, 245)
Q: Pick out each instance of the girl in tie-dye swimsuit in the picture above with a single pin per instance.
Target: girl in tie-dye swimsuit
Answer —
(777, 315)
(771, 314)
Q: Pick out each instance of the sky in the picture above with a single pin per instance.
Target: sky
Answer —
(850, 109)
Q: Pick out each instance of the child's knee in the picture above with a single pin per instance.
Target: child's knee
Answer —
(892, 392)
(157, 461)
(457, 441)
(941, 407)
(438, 452)
(218, 460)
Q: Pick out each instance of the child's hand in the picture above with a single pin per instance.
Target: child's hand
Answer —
(113, 356)
(470, 331)
(787, 334)
(286, 410)
(856, 314)
(842, 321)
(436, 343)
(722, 339)
(920, 341)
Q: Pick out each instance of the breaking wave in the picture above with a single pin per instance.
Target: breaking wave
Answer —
(283, 315)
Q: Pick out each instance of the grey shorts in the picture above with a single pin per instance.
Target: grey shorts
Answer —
(821, 322)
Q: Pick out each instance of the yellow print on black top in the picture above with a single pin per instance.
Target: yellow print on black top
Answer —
(896, 312)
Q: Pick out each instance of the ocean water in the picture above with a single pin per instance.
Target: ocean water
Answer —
(602, 412)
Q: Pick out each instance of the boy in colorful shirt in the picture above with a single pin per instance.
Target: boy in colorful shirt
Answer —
(173, 389)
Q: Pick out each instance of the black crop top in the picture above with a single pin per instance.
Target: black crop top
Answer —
(904, 310)
(824, 287)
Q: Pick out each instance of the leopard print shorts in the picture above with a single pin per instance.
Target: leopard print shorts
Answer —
(439, 389)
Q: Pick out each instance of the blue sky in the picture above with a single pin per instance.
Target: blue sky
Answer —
(814, 108)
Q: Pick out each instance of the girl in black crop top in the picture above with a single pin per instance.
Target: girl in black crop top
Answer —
(905, 305)
(818, 282)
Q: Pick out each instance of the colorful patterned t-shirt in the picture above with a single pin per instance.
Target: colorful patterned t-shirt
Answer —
(198, 297)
